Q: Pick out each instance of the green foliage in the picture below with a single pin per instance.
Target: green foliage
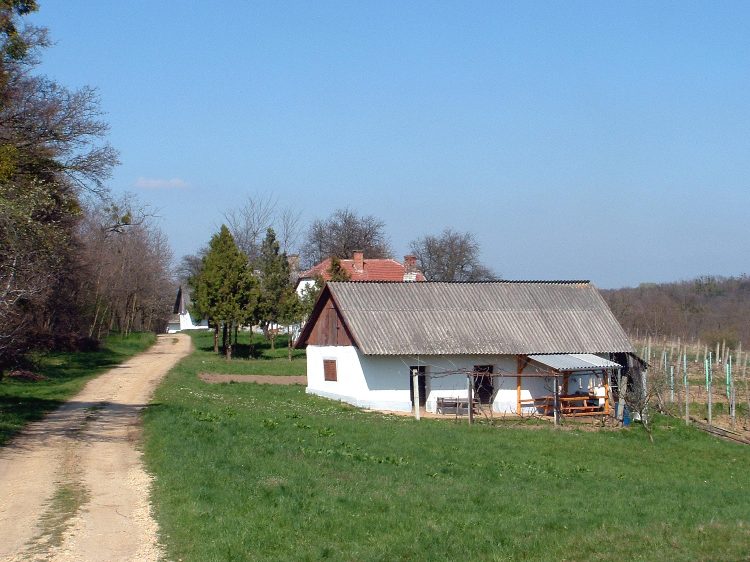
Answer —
(48, 154)
(225, 290)
(13, 44)
(310, 296)
(341, 483)
(278, 301)
(64, 375)
(336, 272)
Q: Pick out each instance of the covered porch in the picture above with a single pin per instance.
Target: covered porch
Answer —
(581, 384)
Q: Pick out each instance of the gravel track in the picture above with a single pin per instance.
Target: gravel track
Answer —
(73, 486)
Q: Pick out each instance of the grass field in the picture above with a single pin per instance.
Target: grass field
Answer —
(253, 472)
(66, 373)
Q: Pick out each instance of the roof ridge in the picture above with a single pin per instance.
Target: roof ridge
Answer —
(486, 282)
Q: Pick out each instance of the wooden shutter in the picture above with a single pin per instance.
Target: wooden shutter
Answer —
(329, 370)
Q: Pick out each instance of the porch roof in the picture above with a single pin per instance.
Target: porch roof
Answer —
(569, 362)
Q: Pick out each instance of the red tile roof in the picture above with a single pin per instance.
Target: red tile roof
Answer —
(372, 270)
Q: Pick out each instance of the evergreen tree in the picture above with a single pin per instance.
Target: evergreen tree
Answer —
(225, 290)
(278, 300)
(336, 272)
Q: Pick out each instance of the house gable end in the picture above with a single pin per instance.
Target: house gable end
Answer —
(326, 326)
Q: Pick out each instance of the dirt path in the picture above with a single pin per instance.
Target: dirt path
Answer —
(73, 486)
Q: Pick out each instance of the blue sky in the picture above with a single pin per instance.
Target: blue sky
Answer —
(600, 140)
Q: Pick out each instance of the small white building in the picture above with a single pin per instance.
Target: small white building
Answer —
(180, 319)
(517, 344)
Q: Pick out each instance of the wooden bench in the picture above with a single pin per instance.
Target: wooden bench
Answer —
(455, 403)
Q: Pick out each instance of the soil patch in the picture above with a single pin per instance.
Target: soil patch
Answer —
(215, 378)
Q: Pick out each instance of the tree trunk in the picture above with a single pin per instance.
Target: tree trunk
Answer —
(216, 338)
(224, 338)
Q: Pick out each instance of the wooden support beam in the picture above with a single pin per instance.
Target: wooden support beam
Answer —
(521, 362)
(518, 396)
(605, 374)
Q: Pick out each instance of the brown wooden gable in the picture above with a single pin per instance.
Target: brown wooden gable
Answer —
(326, 326)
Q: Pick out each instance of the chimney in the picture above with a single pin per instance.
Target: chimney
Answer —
(359, 260)
(410, 268)
(293, 260)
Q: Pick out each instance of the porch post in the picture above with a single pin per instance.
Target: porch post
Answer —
(469, 389)
(415, 391)
(557, 401)
(519, 411)
(519, 370)
(605, 375)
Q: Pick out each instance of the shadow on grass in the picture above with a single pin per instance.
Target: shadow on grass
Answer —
(15, 412)
(82, 421)
(259, 348)
(23, 401)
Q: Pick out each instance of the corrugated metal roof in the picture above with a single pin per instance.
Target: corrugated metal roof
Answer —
(574, 362)
(501, 317)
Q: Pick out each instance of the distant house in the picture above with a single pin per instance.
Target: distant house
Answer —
(517, 344)
(361, 269)
(180, 319)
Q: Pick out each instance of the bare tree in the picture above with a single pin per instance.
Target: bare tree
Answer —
(289, 223)
(450, 256)
(341, 234)
(711, 308)
(249, 223)
(128, 284)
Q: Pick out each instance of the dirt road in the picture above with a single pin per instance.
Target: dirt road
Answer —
(73, 486)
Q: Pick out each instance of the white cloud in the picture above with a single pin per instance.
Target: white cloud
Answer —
(156, 183)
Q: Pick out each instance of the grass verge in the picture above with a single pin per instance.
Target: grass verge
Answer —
(252, 355)
(257, 472)
(24, 401)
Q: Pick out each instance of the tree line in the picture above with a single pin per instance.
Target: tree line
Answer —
(246, 274)
(450, 255)
(711, 309)
(74, 263)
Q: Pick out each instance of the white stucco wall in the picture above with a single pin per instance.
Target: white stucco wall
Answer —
(304, 284)
(383, 389)
(186, 323)
(383, 382)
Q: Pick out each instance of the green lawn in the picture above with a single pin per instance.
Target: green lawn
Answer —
(254, 472)
(23, 401)
(252, 355)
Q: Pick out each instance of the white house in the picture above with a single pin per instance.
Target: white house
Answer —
(509, 341)
(180, 319)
